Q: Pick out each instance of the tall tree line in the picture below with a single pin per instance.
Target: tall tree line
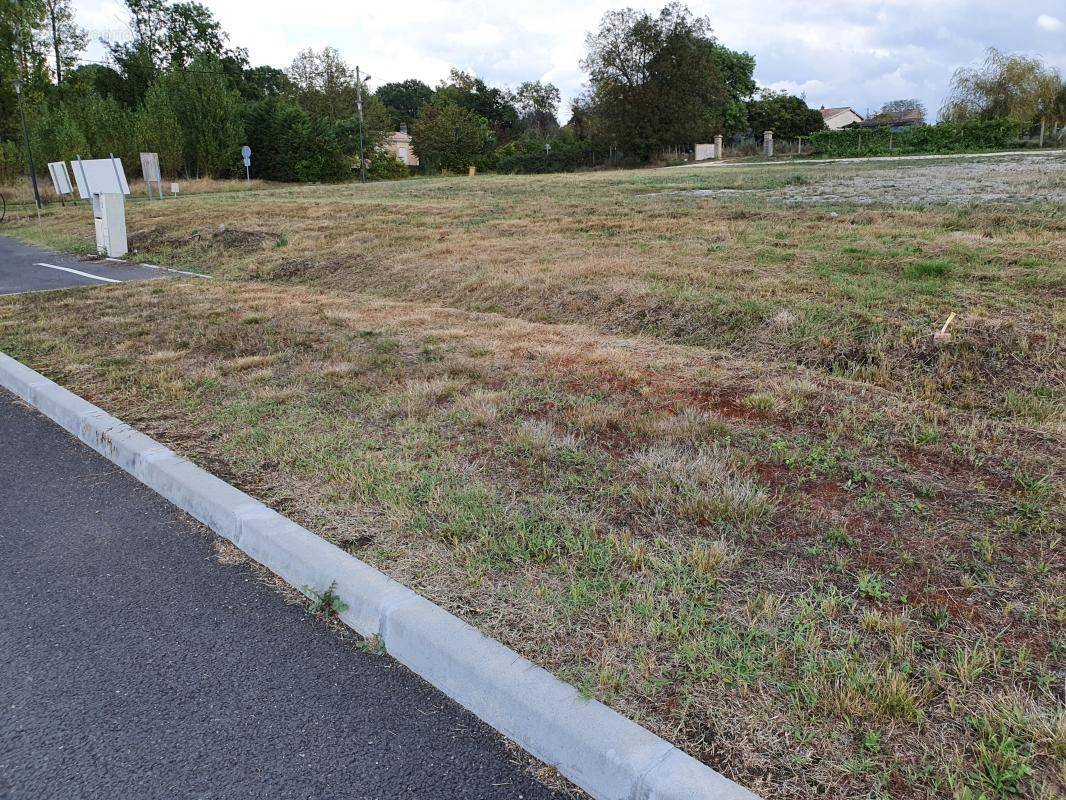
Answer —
(176, 85)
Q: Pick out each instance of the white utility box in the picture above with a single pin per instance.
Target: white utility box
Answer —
(109, 213)
(103, 181)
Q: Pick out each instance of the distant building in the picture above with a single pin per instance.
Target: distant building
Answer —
(837, 118)
(399, 144)
(896, 120)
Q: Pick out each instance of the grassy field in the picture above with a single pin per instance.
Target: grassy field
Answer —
(696, 454)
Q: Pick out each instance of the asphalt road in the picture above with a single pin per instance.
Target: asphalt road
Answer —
(25, 268)
(134, 665)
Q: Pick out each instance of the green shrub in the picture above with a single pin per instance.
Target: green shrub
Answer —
(565, 153)
(384, 166)
(947, 137)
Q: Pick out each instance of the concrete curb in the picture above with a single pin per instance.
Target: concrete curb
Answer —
(601, 751)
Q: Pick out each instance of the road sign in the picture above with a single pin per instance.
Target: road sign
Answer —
(100, 176)
(246, 152)
(150, 170)
(60, 177)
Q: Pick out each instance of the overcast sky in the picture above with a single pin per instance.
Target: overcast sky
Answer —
(857, 53)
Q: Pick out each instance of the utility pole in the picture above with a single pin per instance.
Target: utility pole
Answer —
(26, 139)
(359, 106)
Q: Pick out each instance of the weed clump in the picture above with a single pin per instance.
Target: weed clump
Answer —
(927, 270)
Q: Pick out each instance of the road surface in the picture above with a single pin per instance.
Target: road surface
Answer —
(25, 268)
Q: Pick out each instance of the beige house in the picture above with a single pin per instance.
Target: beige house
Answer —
(399, 144)
(837, 118)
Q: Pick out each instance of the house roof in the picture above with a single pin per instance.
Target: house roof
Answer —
(911, 116)
(829, 113)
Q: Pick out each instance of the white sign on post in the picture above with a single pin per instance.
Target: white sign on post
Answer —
(60, 177)
(99, 176)
(151, 173)
(103, 181)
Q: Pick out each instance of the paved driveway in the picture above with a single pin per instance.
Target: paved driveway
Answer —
(25, 268)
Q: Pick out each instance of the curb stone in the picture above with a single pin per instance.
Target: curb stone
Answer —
(607, 755)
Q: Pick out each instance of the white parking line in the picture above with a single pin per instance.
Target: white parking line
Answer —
(179, 271)
(78, 272)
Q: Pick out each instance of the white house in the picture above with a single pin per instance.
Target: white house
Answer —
(399, 144)
(837, 118)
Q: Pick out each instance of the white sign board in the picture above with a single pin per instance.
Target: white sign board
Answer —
(100, 176)
(151, 173)
(60, 177)
(150, 168)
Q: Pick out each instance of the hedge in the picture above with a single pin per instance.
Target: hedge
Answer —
(946, 137)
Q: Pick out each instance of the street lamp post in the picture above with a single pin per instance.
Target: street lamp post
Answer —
(359, 106)
(26, 140)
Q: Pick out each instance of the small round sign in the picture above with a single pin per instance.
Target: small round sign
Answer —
(246, 151)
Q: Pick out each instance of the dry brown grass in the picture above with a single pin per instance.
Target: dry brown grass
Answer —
(855, 292)
(844, 592)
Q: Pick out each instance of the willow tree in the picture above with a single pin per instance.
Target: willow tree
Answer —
(1004, 86)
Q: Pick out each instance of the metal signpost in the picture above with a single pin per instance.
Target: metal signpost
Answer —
(26, 140)
(359, 107)
(103, 181)
(246, 154)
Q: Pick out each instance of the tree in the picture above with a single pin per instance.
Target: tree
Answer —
(325, 84)
(1058, 108)
(260, 83)
(208, 112)
(1004, 86)
(786, 115)
(56, 136)
(495, 105)
(159, 129)
(20, 57)
(404, 100)
(169, 36)
(538, 103)
(192, 31)
(655, 79)
(68, 40)
(583, 116)
(108, 127)
(447, 136)
(737, 72)
(104, 81)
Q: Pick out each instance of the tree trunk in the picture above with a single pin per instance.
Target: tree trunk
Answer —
(55, 42)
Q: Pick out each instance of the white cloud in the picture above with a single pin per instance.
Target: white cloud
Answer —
(1049, 23)
(854, 52)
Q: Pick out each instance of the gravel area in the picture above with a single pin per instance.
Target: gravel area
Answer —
(1013, 180)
